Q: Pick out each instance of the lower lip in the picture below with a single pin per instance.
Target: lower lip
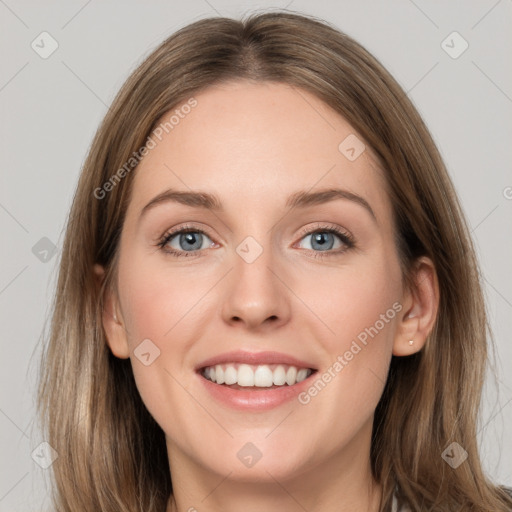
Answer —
(254, 399)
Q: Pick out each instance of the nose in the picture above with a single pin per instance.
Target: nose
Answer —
(256, 295)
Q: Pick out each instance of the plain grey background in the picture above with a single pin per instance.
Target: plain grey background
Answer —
(51, 107)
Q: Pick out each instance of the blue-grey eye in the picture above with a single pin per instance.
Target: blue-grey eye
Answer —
(323, 241)
(189, 241)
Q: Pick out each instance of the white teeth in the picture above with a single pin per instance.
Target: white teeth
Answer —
(230, 376)
(279, 377)
(245, 375)
(291, 376)
(302, 374)
(261, 376)
(219, 374)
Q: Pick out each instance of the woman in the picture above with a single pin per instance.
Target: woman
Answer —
(268, 296)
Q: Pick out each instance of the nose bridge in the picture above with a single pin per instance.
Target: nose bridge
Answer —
(255, 295)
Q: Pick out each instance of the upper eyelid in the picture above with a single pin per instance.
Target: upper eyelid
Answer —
(185, 229)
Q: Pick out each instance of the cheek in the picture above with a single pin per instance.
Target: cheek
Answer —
(155, 307)
(354, 300)
(168, 309)
(360, 305)
(155, 302)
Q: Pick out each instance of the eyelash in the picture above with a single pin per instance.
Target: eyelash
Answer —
(346, 239)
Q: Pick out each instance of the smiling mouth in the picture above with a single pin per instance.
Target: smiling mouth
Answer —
(255, 377)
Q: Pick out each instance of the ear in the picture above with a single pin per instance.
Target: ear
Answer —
(111, 318)
(421, 303)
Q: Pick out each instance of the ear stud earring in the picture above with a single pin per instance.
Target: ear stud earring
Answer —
(411, 342)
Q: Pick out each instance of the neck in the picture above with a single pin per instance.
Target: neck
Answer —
(341, 483)
(273, 498)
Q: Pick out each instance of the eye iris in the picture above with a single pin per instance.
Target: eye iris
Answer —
(320, 238)
(191, 238)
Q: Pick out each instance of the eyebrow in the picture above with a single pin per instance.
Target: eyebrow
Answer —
(300, 199)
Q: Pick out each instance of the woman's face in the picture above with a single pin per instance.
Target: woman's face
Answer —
(260, 284)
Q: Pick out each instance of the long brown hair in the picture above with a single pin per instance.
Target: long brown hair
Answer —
(112, 454)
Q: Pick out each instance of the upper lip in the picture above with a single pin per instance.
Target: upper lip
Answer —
(254, 358)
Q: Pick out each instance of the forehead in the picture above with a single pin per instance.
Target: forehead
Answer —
(254, 144)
